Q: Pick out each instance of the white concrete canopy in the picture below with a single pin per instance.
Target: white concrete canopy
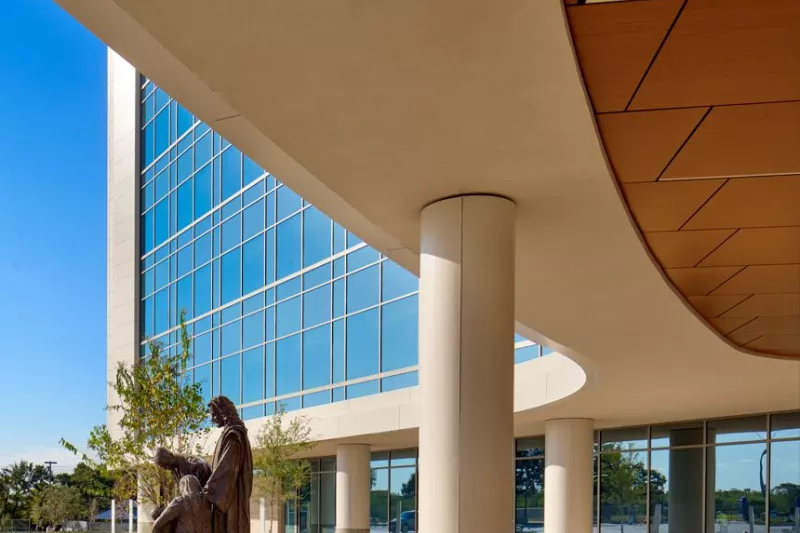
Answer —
(373, 110)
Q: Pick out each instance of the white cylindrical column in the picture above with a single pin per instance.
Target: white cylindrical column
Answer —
(113, 516)
(466, 358)
(130, 516)
(568, 475)
(352, 488)
(262, 514)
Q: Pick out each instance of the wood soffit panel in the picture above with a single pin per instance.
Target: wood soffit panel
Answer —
(698, 106)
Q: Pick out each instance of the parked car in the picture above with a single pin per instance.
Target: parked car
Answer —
(408, 522)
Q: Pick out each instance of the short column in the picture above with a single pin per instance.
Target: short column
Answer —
(466, 354)
(352, 488)
(568, 475)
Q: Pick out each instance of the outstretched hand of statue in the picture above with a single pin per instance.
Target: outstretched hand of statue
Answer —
(165, 459)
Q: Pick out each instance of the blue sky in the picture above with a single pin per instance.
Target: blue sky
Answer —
(52, 231)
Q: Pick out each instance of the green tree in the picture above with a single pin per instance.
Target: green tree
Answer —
(54, 504)
(279, 474)
(92, 481)
(409, 488)
(21, 481)
(159, 407)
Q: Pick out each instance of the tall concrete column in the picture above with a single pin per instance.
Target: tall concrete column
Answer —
(466, 353)
(687, 496)
(568, 475)
(352, 488)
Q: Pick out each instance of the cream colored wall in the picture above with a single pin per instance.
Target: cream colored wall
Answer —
(122, 217)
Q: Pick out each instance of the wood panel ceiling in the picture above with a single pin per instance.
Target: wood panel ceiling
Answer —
(698, 105)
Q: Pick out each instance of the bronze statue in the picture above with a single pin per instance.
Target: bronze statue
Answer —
(228, 481)
(188, 513)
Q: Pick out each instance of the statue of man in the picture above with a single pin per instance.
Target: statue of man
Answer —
(228, 481)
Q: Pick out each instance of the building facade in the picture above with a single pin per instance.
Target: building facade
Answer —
(284, 305)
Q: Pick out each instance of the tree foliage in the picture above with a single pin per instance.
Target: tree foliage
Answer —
(279, 474)
(158, 407)
(20, 481)
(55, 504)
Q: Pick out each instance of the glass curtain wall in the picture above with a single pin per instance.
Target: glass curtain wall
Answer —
(715, 476)
(283, 304)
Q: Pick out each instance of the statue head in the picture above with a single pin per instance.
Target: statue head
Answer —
(223, 412)
(189, 485)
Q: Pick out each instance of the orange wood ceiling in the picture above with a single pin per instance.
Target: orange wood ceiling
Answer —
(698, 105)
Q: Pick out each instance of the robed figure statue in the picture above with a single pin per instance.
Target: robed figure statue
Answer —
(228, 481)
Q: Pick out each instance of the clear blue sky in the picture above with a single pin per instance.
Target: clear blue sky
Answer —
(52, 231)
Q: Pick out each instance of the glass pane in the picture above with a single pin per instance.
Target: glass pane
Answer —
(231, 338)
(288, 288)
(253, 265)
(288, 316)
(338, 351)
(362, 289)
(784, 491)
(231, 275)
(402, 499)
(379, 498)
(624, 439)
(185, 205)
(255, 411)
(288, 365)
(786, 426)
(317, 398)
(737, 429)
(400, 381)
(230, 378)
(317, 306)
(253, 219)
(734, 474)
(317, 357)
(253, 329)
(399, 336)
(623, 488)
(202, 375)
(683, 516)
(529, 490)
(530, 447)
(161, 221)
(316, 236)
(315, 277)
(360, 258)
(288, 202)
(253, 375)
(202, 191)
(288, 244)
(161, 311)
(362, 389)
(202, 348)
(362, 344)
(327, 500)
(231, 233)
(683, 434)
(231, 172)
(397, 281)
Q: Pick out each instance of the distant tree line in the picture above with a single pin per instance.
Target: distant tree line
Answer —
(32, 492)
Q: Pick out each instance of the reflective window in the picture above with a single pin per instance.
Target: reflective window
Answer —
(252, 375)
(734, 473)
(362, 344)
(253, 265)
(316, 236)
(362, 289)
(400, 381)
(231, 172)
(288, 365)
(288, 316)
(230, 378)
(253, 219)
(253, 330)
(231, 275)
(316, 357)
(399, 336)
(317, 306)
(288, 244)
(231, 233)
(397, 281)
(288, 202)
